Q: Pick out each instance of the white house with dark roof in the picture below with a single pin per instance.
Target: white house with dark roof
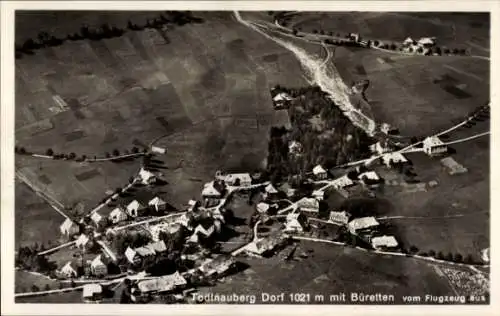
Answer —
(319, 172)
(362, 223)
(118, 215)
(270, 192)
(69, 228)
(210, 191)
(393, 158)
(97, 219)
(158, 204)
(341, 218)
(295, 222)
(133, 208)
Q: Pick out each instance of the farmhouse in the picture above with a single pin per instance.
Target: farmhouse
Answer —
(319, 172)
(82, 242)
(384, 242)
(169, 228)
(69, 228)
(68, 271)
(369, 178)
(97, 219)
(281, 100)
(270, 192)
(158, 150)
(92, 293)
(186, 220)
(341, 218)
(294, 147)
(342, 182)
(409, 41)
(433, 146)
(217, 266)
(117, 215)
(193, 205)
(147, 177)
(264, 246)
(295, 222)
(158, 204)
(392, 159)
(132, 256)
(97, 267)
(166, 283)
(289, 191)
(362, 224)
(310, 205)
(318, 195)
(211, 190)
(427, 42)
(133, 208)
(234, 179)
(200, 230)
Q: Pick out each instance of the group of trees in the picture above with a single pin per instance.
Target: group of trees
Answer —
(73, 156)
(28, 259)
(338, 142)
(105, 31)
(457, 257)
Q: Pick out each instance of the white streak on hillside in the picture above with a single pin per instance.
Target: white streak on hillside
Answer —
(327, 78)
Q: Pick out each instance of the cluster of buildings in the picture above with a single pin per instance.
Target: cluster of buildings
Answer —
(424, 44)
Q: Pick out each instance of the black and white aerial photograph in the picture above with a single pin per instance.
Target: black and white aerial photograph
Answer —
(251, 157)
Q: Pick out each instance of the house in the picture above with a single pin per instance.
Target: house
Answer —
(281, 100)
(92, 292)
(380, 147)
(289, 191)
(341, 218)
(97, 219)
(319, 172)
(369, 177)
(388, 129)
(193, 205)
(147, 177)
(264, 246)
(69, 228)
(210, 190)
(97, 267)
(308, 205)
(132, 256)
(157, 247)
(186, 220)
(205, 232)
(82, 242)
(117, 215)
(270, 192)
(392, 159)
(362, 224)
(433, 146)
(318, 195)
(409, 41)
(295, 148)
(162, 284)
(145, 251)
(217, 266)
(354, 37)
(133, 208)
(68, 270)
(234, 179)
(427, 42)
(295, 222)
(263, 207)
(158, 204)
(342, 182)
(384, 242)
(158, 150)
(168, 228)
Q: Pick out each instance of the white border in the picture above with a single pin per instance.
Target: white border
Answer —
(7, 156)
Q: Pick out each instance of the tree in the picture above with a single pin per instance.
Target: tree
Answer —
(315, 31)
(437, 51)
(393, 46)
(84, 157)
(294, 31)
(440, 256)
(22, 150)
(116, 152)
(413, 249)
(432, 253)
(322, 32)
(458, 258)
(469, 259)
(61, 286)
(420, 50)
(49, 152)
(47, 287)
(449, 257)
(35, 288)
(135, 150)
(71, 156)
(410, 49)
(376, 43)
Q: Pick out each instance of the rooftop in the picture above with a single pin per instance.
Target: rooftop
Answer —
(387, 241)
(363, 222)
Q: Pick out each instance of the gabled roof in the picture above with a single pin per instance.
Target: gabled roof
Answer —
(145, 174)
(384, 241)
(426, 40)
(363, 222)
(82, 240)
(218, 264)
(134, 205)
(156, 201)
(270, 189)
(158, 246)
(432, 141)
(66, 225)
(282, 96)
(205, 231)
(68, 268)
(343, 181)
(162, 284)
(342, 217)
(395, 157)
(117, 211)
(372, 175)
(318, 170)
(308, 203)
(244, 177)
(97, 261)
(262, 207)
(316, 193)
(210, 190)
(96, 217)
(130, 254)
(145, 251)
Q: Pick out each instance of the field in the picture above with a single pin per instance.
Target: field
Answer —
(331, 270)
(450, 29)
(212, 106)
